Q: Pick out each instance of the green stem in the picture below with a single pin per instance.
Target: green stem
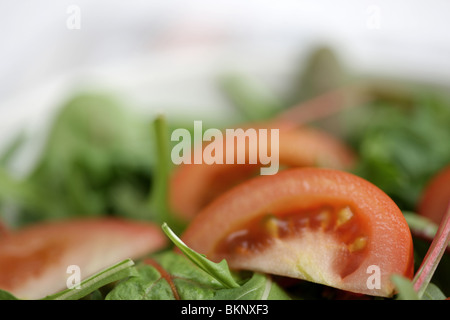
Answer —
(116, 272)
(251, 100)
(159, 197)
(219, 270)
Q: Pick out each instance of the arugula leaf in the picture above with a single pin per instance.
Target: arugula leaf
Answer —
(219, 270)
(90, 285)
(114, 273)
(169, 275)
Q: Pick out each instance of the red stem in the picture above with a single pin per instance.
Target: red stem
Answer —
(434, 255)
(326, 104)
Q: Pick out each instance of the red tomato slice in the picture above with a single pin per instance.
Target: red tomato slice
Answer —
(34, 260)
(436, 196)
(193, 186)
(322, 225)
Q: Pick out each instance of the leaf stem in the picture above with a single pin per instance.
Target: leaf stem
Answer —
(114, 273)
(219, 270)
(159, 196)
(435, 252)
(254, 102)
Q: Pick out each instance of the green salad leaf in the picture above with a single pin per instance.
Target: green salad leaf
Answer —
(89, 285)
(400, 148)
(219, 270)
(116, 272)
(433, 292)
(101, 159)
(97, 160)
(253, 101)
(406, 291)
(191, 276)
(5, 295)
(404, 287)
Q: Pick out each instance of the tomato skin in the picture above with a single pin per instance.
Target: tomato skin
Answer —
(193, 186)
(389, 246)
(34, 260)
(435, 198)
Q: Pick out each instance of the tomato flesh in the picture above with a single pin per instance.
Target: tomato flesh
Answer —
(435, 199)
(34, 260)
(262, 232)
(193, 186)
(321, 225)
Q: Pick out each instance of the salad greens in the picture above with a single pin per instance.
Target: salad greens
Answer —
(220, 270)
(100, 159)
(422, 130)
(170, 275)
(97, 159)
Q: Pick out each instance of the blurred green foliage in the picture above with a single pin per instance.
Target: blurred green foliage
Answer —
(98, 160)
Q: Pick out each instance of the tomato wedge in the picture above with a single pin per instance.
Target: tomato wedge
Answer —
(193, 186)
(34, 260)
(436, 196)
(322, 225)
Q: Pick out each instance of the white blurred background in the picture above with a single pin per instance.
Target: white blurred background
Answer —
(164, 53)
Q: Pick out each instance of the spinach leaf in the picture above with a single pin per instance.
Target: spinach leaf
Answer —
(258, 287)
(169, 276)
(166, 276)
(191, 276)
